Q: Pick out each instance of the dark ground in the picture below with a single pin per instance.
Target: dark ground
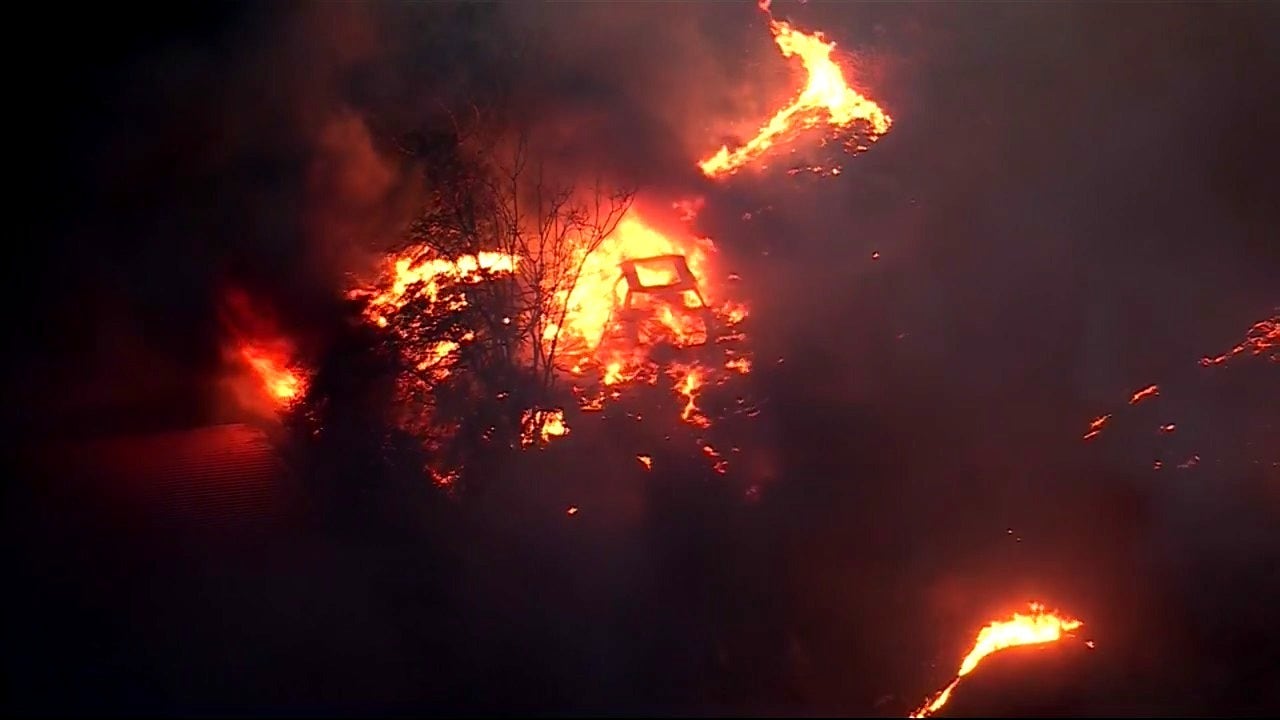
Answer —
(1075, 202)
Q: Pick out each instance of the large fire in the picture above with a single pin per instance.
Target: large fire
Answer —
(826, 99)
(1037, 628)
(268, 375)
(643, 287)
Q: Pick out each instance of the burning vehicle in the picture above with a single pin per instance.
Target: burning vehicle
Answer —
(666, 284)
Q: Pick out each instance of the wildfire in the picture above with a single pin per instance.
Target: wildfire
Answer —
(1263, 336)
(417, 274)
(826, 99)
(1096, 425)
(268, 357)
(1037, 628)
(689, 381)
(1144, 393)
(646, 461)
(270, 363)
(539, 427)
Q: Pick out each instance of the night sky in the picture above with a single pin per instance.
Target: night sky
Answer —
(1075, 201)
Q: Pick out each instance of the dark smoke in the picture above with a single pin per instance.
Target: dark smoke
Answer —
(1075, 201)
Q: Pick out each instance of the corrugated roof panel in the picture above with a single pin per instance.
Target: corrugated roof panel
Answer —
(224, 475)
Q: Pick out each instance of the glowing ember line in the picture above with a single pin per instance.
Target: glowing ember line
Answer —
(825, 99)
(1096, 425)
(1144, 393)
(1038, 628)
(1263, 336)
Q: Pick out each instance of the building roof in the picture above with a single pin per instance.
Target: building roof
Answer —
(210, 477)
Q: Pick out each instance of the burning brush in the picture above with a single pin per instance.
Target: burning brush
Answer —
(826, 100)
(1037, 628)
(640, 305)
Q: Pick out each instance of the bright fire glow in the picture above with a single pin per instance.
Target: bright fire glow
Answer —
(272, 379)
(826, 99)
(1037, 628)
(270, 362)
(539, 427)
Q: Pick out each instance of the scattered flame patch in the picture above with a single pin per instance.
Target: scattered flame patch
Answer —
(1037, 628)
(540, 427)
(826, 99)
(646, 461)
(1264, 336)
(1144, 393)
(1096, 425)
(689, 381)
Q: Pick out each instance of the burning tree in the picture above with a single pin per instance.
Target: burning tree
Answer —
(480, 288)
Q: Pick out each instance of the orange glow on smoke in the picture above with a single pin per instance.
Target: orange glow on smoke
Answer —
(1037, 628)
(826, 99)
(270, 362)
(271, 378)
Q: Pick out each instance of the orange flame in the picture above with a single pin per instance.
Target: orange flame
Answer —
(270, 362)
(1038, 628)
(1144, 393)
(646, 461)
(689, 381)
(825, 99)
(256, 344)
(425, 274)
(1096, 425)
(541, 426)
(1263, 336)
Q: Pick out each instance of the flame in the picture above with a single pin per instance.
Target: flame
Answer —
(1096, 425)
(825, 99)
(1264, 335)
(541, 426)
(1039, 627)
(646, 461)
(719, 464)
(1144, 393)
(420, 274)
(268, 357)
(270, 363)
(1168, 428)
(689, 381)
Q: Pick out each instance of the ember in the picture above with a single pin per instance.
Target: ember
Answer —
(1144, 393)
(1262, 337)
